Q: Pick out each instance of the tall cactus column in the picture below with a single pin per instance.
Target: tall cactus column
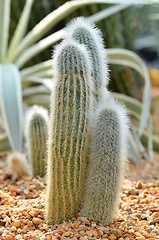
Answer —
(107, 156)
(68, 131)
(84, 32)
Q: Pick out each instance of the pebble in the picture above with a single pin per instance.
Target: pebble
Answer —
(7, 219)
(133, 191)
(139, 185)
(13, 229)
(36, 221)
(75, 225)
(66, 234)
(156, 220)
(33, 213)
(112, 237)
(9, 237)
(143, 217)
(17, 223)
(82, 227)
(156, 231)
(83, 238)
(18, 237)
(148, 228)
(116, 232)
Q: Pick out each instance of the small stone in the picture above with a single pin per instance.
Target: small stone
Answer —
(89, 233)
(30, 224)
(66, 234)
(84, 238)
(157, 184)
(75, 225)
(82, 219)
(156, 220)
(82, 228)
(143, 217)
(18, 237)
(116, 232)
(17, 223)
(43, 238)
(100, 232)
(33, 213)
(138, 215)
(156, 231)
(36, 221)
(139, 185)
(148, 228)
(112, 237)
(9, 237)
(7, 219)
(133, 191)
(39, 186)
(13, 229)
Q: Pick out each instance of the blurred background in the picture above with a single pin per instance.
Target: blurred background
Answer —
(135, 28)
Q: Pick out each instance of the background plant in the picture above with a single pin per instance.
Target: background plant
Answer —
(30, 85)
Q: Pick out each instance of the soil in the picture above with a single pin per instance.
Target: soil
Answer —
(22, 209)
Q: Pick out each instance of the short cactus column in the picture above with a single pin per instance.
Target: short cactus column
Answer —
(84, 32)
(68, 131)
(36, 136)
(109, 140)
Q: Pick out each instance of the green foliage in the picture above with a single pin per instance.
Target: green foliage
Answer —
(23, 47)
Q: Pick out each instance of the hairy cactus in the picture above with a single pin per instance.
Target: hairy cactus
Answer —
(18, 165)
(108, 149)
(68, 131)
(36, 137)
(84, 32)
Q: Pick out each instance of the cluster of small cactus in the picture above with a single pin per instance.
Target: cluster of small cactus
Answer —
(87, 133)
(84, 143)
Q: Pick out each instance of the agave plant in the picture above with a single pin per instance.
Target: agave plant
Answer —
(21, 86)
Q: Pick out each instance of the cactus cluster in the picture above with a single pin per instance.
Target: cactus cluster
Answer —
(86, 135)
(87, 132)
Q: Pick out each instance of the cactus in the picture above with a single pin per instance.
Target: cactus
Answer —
(36, 136)
(85, 32)
(68, 131)
(18, 165)
(107, 156)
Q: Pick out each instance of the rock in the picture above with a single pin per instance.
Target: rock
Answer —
(133, 191)
(36, 221)
(139, 185)
(156, 231)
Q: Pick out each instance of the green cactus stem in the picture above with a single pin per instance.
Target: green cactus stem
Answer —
(107, 157)
(68, 131)
(84, 32)
(36, 137)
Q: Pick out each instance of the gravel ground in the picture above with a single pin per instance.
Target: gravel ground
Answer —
(22, 209)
